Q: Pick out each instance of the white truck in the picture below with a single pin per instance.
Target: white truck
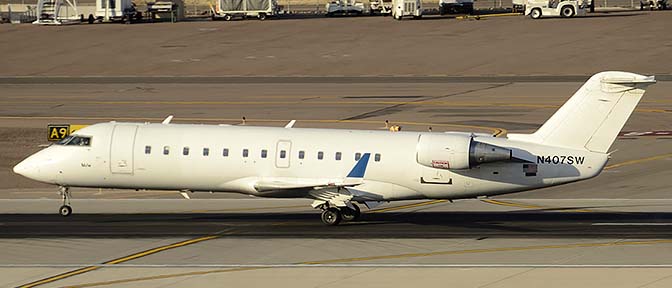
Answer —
(406, 8)
(344, 7)
(456, 7)
(228, 9)
(382, 7)
(556, 8)
(115, 10)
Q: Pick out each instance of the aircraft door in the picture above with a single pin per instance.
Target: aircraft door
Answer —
(284, 149)
(121, 149)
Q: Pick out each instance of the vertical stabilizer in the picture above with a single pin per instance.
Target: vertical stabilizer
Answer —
(593, 117)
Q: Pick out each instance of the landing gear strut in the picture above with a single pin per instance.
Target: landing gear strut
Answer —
(350, 214)
(65, 209)
(332, 216)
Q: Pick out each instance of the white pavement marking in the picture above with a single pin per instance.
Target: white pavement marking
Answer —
(349, 265)
(631, 224)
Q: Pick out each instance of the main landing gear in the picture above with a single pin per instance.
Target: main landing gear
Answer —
(332, 216)
(65, 209)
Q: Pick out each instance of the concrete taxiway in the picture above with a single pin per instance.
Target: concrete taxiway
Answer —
(611, 231)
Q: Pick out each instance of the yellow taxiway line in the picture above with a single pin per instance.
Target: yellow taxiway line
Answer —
(117, 261)
(385, 257)
(489, 250)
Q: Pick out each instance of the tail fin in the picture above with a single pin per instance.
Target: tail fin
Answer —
(594, 116)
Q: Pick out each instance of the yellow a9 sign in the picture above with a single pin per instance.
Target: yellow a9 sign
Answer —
(58, 131)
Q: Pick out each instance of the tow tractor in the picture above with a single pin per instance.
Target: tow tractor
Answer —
(382, 7)
(556, 8)
(653, 4)
(344, 7)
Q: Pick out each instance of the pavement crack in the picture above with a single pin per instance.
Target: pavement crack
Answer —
(397, 107)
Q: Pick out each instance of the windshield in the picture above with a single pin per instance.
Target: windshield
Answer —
(75, 140)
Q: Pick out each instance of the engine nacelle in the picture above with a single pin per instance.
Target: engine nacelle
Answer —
(457, 152)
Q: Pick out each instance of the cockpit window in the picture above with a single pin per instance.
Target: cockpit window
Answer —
(75, 140)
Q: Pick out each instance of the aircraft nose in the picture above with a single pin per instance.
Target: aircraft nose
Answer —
(27, 168)
(22, 168)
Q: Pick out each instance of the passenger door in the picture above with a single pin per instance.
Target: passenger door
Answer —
(284, 149)
(121, 149)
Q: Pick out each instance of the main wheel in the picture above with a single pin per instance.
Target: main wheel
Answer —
(567, 11)
(262, 16)
(536, 13)
(228, 17)
(331, 216)
(349, 214)
(65, 210)
(91, 19)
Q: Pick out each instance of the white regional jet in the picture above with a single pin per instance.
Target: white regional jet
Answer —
(339, 168)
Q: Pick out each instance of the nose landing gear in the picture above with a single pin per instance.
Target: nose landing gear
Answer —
(65, 210)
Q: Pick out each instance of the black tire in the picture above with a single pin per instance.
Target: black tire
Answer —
(331, 217)
(567, 11)
(91, 19)
(262, 16)
(349, 214)
(227, 17)
(535, 13)
(65, 210)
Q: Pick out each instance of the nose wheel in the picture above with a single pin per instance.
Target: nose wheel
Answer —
(65, 210)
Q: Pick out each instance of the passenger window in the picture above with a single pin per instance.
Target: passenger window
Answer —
(264, 153)
(148, 149)
(302, 154)
(283, 154)
(206, 151)
(166, 150)
(377, 157)
(338, 156)
(225, 152)
(185, 151)
(358, 156)
(320, 155)
(246, 152)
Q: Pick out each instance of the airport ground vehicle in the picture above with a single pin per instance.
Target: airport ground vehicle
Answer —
(344, 7)
(456, 7)
(383, 7)
(340, 169)
(229, 9)
(115, 10)
(406, 8)
(555, 8)
(653, 4)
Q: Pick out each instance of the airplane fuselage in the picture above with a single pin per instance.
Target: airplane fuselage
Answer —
(222, 158)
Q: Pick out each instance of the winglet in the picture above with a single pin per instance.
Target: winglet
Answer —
(360, 168)
(290, 124)
(167, 120)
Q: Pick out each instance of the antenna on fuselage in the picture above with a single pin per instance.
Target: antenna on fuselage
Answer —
(290, 124)
(167, 120)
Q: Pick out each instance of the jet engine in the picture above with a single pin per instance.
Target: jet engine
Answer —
(457, 152)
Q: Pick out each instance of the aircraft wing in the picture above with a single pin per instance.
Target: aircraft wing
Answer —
(354, 178)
